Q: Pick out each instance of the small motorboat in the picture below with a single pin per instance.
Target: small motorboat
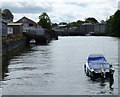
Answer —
(97, 66)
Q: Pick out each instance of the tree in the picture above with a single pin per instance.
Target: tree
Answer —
(73, 24)
(114, 24)
(80, 22)
(54, 24)
(91, 20)
(45, 21)
(0, 13)
(7, 14)
(102, 21)
(0, 10)
(62, 23)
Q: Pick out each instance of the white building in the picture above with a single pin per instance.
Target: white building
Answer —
(100, 28)
(86, 28)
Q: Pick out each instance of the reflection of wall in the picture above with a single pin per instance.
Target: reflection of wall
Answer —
(11, 49)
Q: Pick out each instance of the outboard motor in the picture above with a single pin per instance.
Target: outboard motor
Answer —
(103, 73)
(92, 75)
(111, 76)
(111, 72)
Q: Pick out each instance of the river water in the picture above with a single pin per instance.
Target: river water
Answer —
(57, 68)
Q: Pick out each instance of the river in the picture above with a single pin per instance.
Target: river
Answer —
(57, 68)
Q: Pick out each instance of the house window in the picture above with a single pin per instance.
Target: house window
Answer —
(30, 25)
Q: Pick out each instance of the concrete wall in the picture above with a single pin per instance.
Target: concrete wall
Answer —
(10, 50)
(12, 45)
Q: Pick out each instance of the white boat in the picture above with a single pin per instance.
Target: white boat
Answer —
(97, 66)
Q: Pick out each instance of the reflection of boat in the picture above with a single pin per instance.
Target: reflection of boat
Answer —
(90, 34)
(96, 66)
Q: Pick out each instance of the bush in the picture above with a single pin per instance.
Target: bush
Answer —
(11, 37)
(16, 36)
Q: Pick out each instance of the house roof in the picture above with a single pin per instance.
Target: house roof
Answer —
(27, 19)
(14, 24)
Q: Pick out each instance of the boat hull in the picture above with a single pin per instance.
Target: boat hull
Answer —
(94, 74)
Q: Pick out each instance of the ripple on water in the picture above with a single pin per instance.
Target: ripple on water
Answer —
(22, 68)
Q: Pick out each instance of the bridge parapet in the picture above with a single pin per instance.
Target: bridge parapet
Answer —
(38, 34)
(34, 31)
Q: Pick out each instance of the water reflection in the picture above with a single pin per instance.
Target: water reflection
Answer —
(103, 82)
(15, 60)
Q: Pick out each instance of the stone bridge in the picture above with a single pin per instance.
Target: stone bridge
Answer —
(40, 36)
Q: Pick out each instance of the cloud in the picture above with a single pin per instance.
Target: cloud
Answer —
(62, 10)
(119, 5)
(82, 4)
(27, 7)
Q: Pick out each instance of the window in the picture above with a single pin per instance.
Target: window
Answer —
(30, 25)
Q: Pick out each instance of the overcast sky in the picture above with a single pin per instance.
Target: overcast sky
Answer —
(61, 10)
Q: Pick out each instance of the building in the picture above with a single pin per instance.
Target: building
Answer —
(3, 30)
(15, 28)
(101, 28)
(61, 29)
(31, 27)
(86, 28)
(27, 23)
(10, 30)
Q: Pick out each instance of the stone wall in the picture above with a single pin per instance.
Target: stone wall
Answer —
(12, 45)
(11, 49)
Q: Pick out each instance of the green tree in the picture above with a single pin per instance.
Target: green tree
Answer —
(79, 22)
(7, 14)
(73, 24)
(0, 13)
(0, 10)
(114, 24)
(45, 21)
(102, 21)
(91, 20)
(62, 23)
(54, 24)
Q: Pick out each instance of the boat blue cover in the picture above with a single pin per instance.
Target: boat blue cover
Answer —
(96, 60)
